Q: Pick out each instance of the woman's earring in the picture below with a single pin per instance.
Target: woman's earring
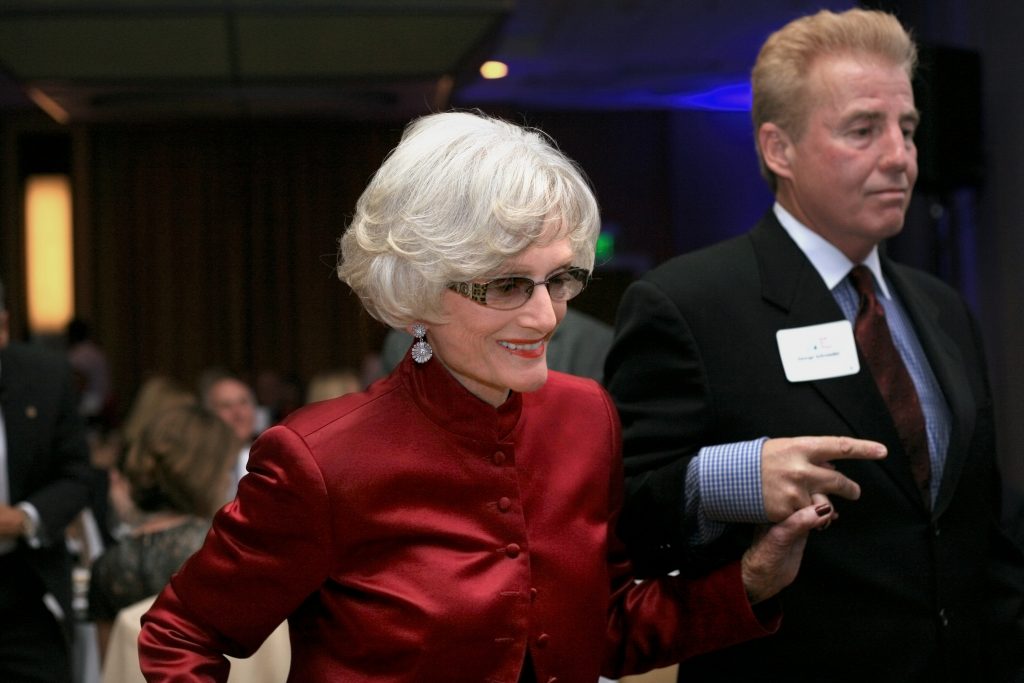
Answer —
(421, 351)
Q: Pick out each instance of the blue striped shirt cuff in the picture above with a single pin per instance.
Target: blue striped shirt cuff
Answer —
(730, 482)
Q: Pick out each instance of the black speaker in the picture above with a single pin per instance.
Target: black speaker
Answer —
(947, 91)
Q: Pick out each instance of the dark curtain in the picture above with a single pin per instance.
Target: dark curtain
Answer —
(215, 244)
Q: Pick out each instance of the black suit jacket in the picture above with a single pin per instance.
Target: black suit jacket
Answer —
(47, 459)
(892, 591)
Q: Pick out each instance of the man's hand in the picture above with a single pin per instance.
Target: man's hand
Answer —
(12, 521)
(797, 472)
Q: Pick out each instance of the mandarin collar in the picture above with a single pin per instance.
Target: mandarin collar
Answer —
(453, 407)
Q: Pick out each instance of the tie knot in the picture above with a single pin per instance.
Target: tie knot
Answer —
(863, 281)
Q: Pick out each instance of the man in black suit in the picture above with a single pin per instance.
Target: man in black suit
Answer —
(723, 357)
(44, 483)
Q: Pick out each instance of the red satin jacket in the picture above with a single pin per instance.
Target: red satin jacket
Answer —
(413, 533)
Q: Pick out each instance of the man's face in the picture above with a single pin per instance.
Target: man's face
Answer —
(232, 401)
(850, 174)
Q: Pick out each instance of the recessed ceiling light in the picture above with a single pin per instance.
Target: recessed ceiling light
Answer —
(492, 70)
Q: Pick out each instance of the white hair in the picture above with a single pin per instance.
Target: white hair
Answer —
(460, 195)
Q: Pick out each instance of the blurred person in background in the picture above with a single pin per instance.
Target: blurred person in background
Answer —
(158, 394)
(232, 400)
(92, 375)
(176, 472)
(332, 384)
(45, 481)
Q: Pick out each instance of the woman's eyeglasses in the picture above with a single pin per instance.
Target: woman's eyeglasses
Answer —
(506, 293)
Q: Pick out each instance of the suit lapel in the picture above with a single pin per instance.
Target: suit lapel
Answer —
(790, 282)
(947, 364)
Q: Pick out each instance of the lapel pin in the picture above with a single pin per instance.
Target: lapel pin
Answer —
(31, 412)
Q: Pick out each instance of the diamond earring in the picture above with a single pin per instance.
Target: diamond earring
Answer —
(421, 351)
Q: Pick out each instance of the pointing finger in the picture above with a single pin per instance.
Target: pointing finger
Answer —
(826, 448)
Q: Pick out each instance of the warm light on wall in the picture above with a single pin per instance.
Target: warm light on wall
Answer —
(48, 245)
(492, 70)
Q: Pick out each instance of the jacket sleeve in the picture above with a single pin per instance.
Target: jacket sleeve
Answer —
(656, 377)
(267, 551)
(666, 619)
(69, 476)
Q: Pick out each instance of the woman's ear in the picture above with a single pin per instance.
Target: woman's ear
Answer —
(776, 148)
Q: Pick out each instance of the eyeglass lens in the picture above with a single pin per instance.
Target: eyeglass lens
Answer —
(515, 291)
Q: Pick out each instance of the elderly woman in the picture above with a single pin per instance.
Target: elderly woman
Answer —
(455, 522)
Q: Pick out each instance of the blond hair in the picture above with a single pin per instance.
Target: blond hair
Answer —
(779, 79)
(157, 394)
(460, 195)
(180, 460)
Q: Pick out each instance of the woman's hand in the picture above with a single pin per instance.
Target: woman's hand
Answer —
(773, 560)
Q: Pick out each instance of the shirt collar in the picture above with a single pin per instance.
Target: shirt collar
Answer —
(832, 264)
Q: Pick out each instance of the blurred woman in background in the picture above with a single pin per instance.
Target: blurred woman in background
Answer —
(177, 471)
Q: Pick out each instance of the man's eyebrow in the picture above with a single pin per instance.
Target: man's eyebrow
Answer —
(863, 115)
(912, 116)
(872, 115)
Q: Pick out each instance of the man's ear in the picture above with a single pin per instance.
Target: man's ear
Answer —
(776, 149)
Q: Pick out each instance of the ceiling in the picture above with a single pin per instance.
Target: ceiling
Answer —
(94, 60)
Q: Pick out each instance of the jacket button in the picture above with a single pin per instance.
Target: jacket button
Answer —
(504, 504)
(512, 550)
(943, 618)
(499, 458)
(533, 595)
(542, 640)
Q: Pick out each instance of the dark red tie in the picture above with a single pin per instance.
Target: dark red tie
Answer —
(897, 388)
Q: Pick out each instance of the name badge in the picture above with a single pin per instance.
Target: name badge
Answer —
(818, 351)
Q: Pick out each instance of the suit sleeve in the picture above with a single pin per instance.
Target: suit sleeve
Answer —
(656, 378)
(267, 551)
(670, 618)
(69, 478)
